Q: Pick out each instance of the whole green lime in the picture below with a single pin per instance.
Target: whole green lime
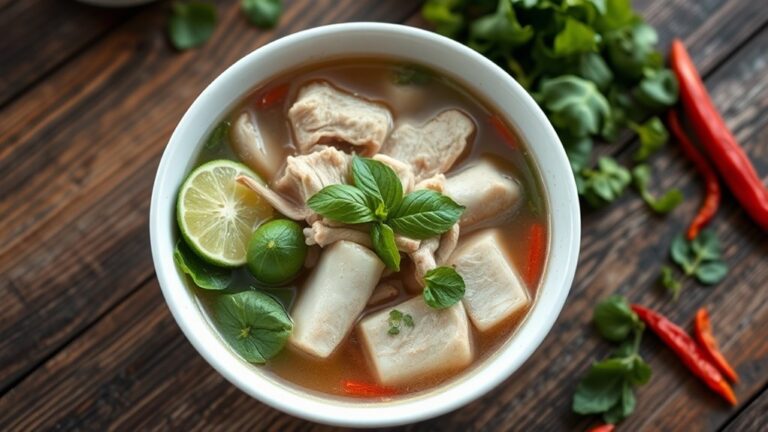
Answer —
(276, 251)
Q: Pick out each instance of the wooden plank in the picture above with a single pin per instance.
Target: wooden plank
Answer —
(78, 157)
(753, 418)
(40, 35)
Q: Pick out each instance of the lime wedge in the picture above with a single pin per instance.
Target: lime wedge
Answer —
(217, 215)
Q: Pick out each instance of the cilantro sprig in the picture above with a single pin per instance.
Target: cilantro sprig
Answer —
(376, 197)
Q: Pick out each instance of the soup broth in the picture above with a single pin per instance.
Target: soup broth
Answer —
(413, 95)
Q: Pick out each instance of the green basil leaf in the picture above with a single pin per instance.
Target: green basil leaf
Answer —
(204, 275)
(262, 13)
(710, 273)
(706, 246)
(342, 203)
(575, 38)
(377, 181)
(443, 288)
(574, 105)
(614, 319)
(254, 324)
(444, 16)
(658, 89)
(425, 213)
(653, 135)
(191, 23)
(601, 388)
(219, 136)
(383, 239)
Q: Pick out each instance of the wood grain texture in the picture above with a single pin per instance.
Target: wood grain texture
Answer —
(78, 157)
(753, 418)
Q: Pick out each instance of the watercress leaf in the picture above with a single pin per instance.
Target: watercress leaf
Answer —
(378, 181)
(605, 183)
(383, 239)
(658, 89)
(614, 319)
(411, 74)
(653, 135)
(204, 275)
(574, 105)
(631, 49)
(681, 252)
(579, 151)
(191, 23)
(623, 408)
(617, 14)
(262, 13)
(425, 213)
(706, 246)
(443, 287)
(710, 273)
(500, 29)
(639, 372)
(254, 324)
(592, 67)
(601, 388)
(668, 281)
(641, 175)
(342, 203)
(575, 38)
(445, 15)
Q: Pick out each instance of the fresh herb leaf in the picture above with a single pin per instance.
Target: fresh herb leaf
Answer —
(700, 258)
(379, 183)
(653, 135)
(191, 23)
(602, 387)
(641, 175)
(444, 287)
(711, 273)
(262, 13)
(614, 319)
(575, 38)
(410, 74)
(254, 324)
(668, 281)
(445, 16)
(632, 49)
(579, 151)
(658, 89)
(574, 105)
(500, 30)
(219, 136)
(606, 182)
(425, 213)
(593, 68)
(204, 275)
(342, 203)
(398, 319)
(383, 239)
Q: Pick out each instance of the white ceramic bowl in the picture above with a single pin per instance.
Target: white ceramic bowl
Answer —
(410, 44)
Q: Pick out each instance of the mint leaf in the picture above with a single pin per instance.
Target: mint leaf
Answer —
(191, 23)
(425, 213)
(711, 273)
(383, 239)
(641, 175)
(706, 246)
(254, 324)
(614, 319)
(204, 275)
(653, 135)
(378, 181)
(574, 105)
(592, 67)
(601, 388)
(342, 203)
(262, 13)
(701, 258)
(444, 287)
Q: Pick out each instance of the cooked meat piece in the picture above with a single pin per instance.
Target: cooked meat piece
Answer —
(333, 297)
(324, 114)
(435, 183)
(321, 234)
(384, 292)
(439, 341)
(280, 203)
(252, 147)
(306, 175)
(448, 242)
(494, 290)
(424, 257)
(488, 194)
(433, 147)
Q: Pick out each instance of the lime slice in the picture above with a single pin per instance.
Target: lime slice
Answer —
(217, 215)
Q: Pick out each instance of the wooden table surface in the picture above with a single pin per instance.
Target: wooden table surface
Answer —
(89, 98)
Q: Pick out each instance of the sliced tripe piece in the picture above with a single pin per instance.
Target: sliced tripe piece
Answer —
(487, 193)
(433, 147)
(333, 297)
(324, 114)
(493, 289)
(439, 341)
(253, 148)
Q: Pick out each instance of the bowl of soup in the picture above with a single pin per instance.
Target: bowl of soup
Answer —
(365, 225)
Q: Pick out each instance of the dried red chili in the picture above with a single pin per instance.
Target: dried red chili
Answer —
(360, 388)
(712, 193)
(702, 330)
(692, 356)
(717, 140)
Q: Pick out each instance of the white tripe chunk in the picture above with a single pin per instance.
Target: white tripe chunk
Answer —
(487, 193)
(333, 297)
(439, 341)
(494, 290)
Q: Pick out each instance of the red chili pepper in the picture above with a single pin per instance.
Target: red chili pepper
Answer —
(703, 334)
(712, 197)
(360, 388)
(729, 158)
(687, 351)
(602, 428)
(502, 129)
(536, 248)
(274, 95)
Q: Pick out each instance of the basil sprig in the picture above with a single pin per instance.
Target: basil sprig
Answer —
(376, 195)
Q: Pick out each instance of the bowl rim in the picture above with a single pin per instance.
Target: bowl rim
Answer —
(564, 242)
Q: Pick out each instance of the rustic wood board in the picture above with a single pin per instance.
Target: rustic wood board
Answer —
(86, 340)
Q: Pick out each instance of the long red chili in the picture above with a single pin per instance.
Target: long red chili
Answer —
(273, 95)
(602, 428)
(702, 330)
(502, 129)
(717, 140)
(536, 246)
(687, 351)
(360, 388)
(712, 194)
